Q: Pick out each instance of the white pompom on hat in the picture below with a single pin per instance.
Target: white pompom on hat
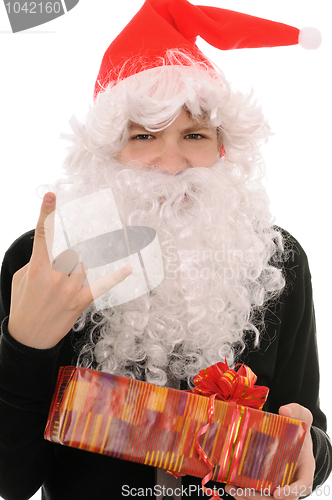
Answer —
(310, 38)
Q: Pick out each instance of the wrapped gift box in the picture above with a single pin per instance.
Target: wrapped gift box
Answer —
(136, 421)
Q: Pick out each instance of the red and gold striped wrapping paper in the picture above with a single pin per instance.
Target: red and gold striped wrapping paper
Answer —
(145, 423)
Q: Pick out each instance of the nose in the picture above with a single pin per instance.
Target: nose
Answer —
(171, 160)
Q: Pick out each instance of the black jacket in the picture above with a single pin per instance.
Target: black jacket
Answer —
(286, 362)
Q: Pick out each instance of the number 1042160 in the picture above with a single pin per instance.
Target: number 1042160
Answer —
(33, 7)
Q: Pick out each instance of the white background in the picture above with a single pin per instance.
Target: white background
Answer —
(48, 74)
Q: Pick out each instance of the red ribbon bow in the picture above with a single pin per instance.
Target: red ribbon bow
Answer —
(220, 382)
(232, 386)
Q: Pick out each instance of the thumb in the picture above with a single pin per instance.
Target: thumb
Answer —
(286, 411)
(44, 231)
(296, 411)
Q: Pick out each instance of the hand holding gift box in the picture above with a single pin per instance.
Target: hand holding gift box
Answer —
(166, 428)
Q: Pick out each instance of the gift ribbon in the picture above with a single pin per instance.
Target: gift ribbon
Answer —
(234, 444)
(220, 382)
(230, 385)
(200, 450)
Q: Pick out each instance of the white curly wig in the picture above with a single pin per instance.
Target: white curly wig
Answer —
(214, 226)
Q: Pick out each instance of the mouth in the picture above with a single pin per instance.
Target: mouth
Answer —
(162, 200)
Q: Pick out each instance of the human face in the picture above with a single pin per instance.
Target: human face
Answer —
(184, 144)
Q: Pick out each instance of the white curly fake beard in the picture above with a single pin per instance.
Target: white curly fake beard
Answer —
(213, 260)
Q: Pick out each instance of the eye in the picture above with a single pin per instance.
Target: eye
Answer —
(142, 137)
(195, 137)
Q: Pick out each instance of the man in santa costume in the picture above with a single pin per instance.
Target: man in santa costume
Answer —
(180, 151)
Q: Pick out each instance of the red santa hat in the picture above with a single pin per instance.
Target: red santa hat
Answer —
(161, 25)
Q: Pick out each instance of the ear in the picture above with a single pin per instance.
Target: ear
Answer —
(222, 151)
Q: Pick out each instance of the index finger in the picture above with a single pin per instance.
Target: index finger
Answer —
(44, 232)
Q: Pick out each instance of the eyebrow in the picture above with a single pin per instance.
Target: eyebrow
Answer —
(135, 125)
(189, 130)
(195, 128)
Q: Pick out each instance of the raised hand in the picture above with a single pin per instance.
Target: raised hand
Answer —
(46, 303)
